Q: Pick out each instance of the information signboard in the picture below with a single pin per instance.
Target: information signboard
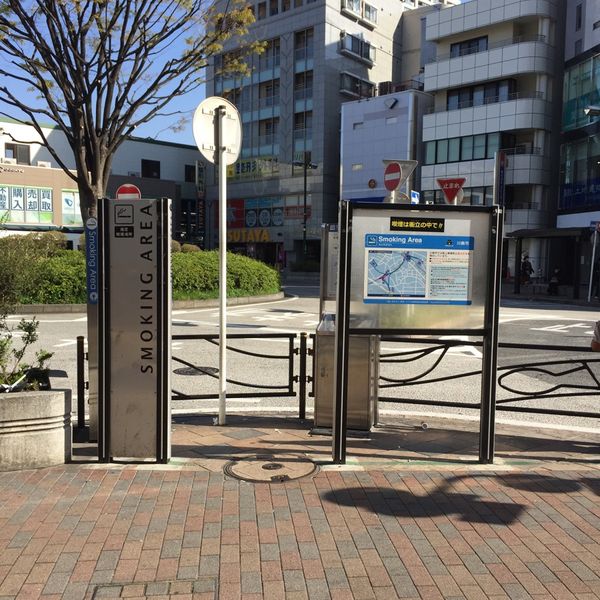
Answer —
(419, 267)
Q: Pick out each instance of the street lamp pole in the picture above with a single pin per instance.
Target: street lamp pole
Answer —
(305, 164)
(304, 248)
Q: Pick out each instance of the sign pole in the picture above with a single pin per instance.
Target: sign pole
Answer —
(220, 144)
(220, 116)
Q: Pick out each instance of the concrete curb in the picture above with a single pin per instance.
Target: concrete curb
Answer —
(36, 309)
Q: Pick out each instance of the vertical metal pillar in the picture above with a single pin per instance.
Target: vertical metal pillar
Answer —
(576, 267)
(220, 117)
(303, 352)
(103, 332)
(487, 416)
(80, 383)
(340, 390)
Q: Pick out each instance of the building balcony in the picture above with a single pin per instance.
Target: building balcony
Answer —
(521, 110)
(507, 61)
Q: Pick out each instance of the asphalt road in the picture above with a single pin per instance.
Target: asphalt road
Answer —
(520, 322)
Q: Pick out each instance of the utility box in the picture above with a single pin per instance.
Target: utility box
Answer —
(363, 373)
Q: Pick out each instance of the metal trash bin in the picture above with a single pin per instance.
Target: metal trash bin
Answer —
(363, 374)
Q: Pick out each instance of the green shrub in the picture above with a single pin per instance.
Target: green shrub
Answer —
(58, 279)
(190, 248)
(20, 254)
(196, 275)
(175, 246)
(60, 276)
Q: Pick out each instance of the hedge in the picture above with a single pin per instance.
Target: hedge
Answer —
(51, 275)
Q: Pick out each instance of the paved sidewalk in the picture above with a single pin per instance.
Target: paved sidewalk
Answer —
(412, 515)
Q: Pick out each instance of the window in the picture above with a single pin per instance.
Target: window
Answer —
(355, 86)
(151, 168)
(303, 44)
(357, 167)
(466, 150)
(268, 93)
(190, 173)
(442, 151)
(358, 125)
(454, 150)
(479, 44)
(352, 5)
(297, 3)
(578, 47)
(596, 25)
(479, 147)
(20, 152)
(285, 5)
(273, 7)
(351, 44)
(261, 12)
(497, 91)
(271, 57)
(578, 16)
(430, 153)
(303, 85)
(493, 144)
(370, 13)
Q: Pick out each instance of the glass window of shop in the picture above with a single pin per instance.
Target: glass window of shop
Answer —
(580, 174)
(581, 89)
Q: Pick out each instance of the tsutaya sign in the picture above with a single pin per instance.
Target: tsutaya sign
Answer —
(134, 326)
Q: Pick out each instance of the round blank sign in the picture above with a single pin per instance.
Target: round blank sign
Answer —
(204, 127)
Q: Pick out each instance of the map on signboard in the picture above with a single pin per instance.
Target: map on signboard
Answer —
(393, 273)
(418, 269)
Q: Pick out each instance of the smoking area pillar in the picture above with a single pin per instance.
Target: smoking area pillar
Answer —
(134, 329)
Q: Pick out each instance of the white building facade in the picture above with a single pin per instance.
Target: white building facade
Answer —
(28, 170)
(497, 85)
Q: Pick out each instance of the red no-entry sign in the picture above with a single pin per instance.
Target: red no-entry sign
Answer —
(128, 191)
(392, 176)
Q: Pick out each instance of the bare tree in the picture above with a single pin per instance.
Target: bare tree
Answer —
(100, 68)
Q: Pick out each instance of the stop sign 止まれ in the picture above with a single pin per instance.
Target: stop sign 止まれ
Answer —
(392, 176)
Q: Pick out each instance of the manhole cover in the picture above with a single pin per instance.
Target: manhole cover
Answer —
(197, 371)
(270, 468)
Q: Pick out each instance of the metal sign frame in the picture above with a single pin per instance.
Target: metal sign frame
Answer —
(162, 294)
(488, 332)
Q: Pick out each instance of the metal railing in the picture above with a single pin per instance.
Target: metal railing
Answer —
(558, 378)
(569, 373)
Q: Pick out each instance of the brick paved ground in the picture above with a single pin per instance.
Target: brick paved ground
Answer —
(186, 531)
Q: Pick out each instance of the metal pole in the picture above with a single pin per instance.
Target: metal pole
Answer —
(592, 266)
(220, 116)
(80, 383)
(302, 392)
(304, 207)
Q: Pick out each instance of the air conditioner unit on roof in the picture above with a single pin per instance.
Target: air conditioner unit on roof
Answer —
(44, 163)
(9, 161)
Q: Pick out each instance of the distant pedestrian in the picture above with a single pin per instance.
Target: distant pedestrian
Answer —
(553, 283)
(526, 269)
(595, 345)
(596, 279)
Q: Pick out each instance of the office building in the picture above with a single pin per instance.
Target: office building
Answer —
(497, 86)
(319, 54)
(579, 201)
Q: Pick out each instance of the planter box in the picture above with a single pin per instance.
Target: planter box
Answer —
(35, 429)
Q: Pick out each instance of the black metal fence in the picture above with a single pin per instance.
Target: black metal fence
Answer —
(413, 372)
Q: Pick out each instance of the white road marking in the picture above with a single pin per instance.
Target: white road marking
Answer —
(65, 343)
(561, 328)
